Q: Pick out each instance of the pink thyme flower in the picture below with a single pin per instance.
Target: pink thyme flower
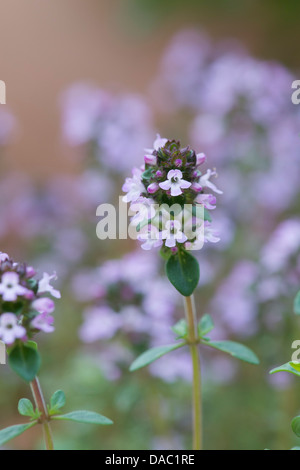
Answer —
(133, 186)
(149, 235)
(196, 187)
(144, 209)
(200, 159)
(43, 322)
(205, 183)
(30, 272)
(208, 200)
(44, 285)
(43, 305)
(150, 159)
(153, 188)
(175, 183)
(10, 287)
(173, 233)
(9, 328)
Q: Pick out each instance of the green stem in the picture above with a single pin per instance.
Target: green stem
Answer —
(41, 406)
(191, 317)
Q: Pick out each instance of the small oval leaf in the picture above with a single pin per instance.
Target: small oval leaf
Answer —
(234, 349)
(152, 354)
(25, 361)
(183, 272)
(25, 408)
(13, 431)
(296, 425)
(285, 368)
(83, 416)
(181, 329)
(205, 325)
(58, 400)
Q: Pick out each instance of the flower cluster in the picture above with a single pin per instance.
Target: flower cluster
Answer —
(169, 197)
(24, 309)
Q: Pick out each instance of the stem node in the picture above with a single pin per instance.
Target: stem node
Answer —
(41, 406)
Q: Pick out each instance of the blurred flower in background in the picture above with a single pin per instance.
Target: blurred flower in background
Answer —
(7, 126)
(128, 303)
(113, 127)
(241, 115)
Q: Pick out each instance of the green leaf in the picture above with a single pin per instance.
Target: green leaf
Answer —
(181, 329)
(234, 349)
(288, 367)
(297, 304)
(296, 425)
(25, 408)
(205, 325)
(83, 416)
(147, 174)
(152, 354)
(13, 431)
(57, 401)
(25, 361)
(183, 272)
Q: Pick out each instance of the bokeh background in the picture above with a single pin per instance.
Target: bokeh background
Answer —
(89, 84)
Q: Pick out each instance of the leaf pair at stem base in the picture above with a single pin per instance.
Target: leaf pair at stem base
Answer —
(205, 326)
(57, 401)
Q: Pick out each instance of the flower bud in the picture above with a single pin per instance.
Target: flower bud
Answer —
(196, 187)
(152, 188)
(150, 159)
(201, 158)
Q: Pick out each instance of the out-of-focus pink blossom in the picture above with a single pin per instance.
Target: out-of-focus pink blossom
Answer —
(100, 323)
(234, 303)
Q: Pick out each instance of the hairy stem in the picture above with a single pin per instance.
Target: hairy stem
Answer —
(41, 406)
(191, 317)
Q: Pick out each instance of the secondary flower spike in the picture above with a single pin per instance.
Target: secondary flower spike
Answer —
(171, 197)
(24, 310)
